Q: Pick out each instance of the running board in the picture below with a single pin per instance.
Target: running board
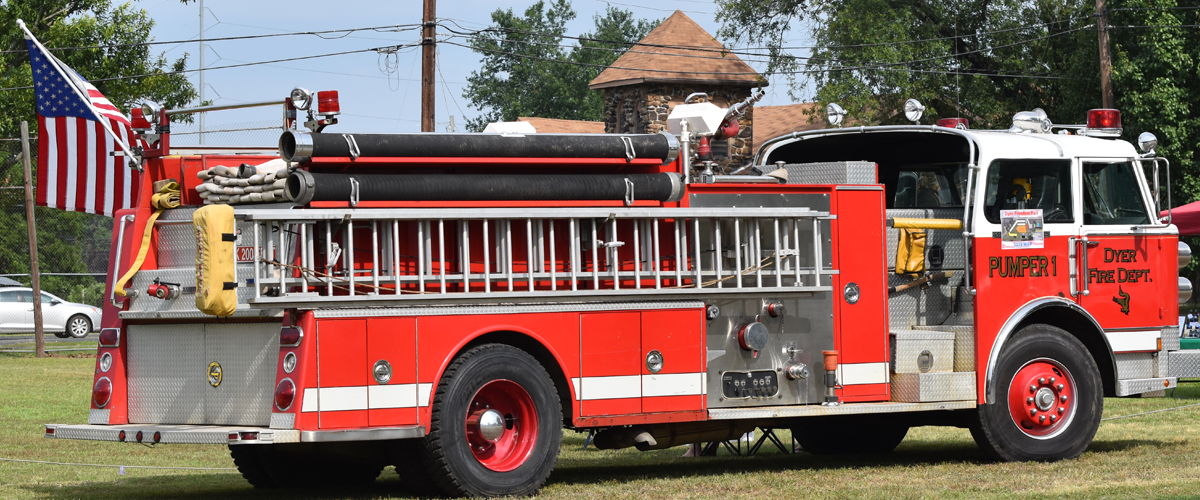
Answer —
(214, 434)
(842, 409)
(1135, 386)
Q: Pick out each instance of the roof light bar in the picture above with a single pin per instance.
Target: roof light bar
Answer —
(958, 123)
(1104, 123)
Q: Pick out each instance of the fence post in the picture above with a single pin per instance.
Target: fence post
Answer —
(39, 342)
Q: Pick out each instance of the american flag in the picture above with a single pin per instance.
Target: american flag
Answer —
(76, 169)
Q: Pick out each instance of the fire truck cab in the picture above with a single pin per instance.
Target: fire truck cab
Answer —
(449, 303)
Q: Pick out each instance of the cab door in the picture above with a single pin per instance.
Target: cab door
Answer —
(1124, 282)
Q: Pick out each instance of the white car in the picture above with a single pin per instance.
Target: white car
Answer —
(63, 319)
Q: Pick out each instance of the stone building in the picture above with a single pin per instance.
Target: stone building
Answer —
(676, 59)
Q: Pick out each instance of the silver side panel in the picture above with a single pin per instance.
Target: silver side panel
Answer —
(832, 172)
(908, 346)
(168, 373)
(932, 387)
(1144, 385)
(843, 409)
(1135, 365)
(1184, 364)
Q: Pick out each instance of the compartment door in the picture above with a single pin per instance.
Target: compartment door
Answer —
(342, 374)
(611, 363)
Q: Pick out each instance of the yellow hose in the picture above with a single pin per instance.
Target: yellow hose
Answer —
(167, 195)
(903, 223)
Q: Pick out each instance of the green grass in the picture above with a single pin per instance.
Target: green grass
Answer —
(1152, 456)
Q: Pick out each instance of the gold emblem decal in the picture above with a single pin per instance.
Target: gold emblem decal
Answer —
(214, 374)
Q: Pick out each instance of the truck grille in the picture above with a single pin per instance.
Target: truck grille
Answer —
(169, 373)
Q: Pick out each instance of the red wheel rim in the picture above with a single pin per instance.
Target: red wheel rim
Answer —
(516, 440)
(1041, 398)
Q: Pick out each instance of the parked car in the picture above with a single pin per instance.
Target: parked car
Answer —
(63, 319)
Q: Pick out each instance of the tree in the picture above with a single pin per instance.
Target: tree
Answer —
(528, 70)
(972, 52)
(115, 56)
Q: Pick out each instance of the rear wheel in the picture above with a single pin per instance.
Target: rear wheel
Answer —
(495, 429)
(79, 326)
(246, 458)
(1048, 398)
(840, 437)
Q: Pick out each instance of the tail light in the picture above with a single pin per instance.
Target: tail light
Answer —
(285, 393)
(290, 336)
(157, 436)
(102, 392)
(139, 436)
(327, 102)
(958, 123)
(121, 436)
(1104, 123)
(110, 337)
(249, 436)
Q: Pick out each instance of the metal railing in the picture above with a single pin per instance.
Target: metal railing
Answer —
(375, 256)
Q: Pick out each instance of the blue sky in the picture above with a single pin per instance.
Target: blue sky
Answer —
(378, 93)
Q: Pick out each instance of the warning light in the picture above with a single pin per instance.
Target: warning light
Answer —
(958, 123)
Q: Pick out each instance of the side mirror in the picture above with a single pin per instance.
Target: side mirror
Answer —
(55, 302)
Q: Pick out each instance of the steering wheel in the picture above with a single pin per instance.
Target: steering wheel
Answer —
(1057, 213)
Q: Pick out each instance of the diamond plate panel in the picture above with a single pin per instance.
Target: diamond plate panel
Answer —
(171, 434)
(98, 416)
(247, 353)
(1170, 338)
(1184, 364)
(283, 421)
(916, 306)
(834, 172)
(168, 373)
(842, 409)
(964, 349)
(185, 277)
(176, 243)
(1143, 385)
(907, 347)
(1134, 365)
(931, 387)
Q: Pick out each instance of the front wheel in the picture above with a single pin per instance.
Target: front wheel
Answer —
(1048, 398)
(496, 423)
(79, 326)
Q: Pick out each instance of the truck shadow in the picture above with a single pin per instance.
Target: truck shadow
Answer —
(570, 471)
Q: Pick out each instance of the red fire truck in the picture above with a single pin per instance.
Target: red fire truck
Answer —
(449, 303)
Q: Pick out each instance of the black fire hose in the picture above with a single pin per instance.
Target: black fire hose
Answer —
(304, 187)
(298, 146)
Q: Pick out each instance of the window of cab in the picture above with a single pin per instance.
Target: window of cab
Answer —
(1022, 184)
(924, 185)
(1112, 195)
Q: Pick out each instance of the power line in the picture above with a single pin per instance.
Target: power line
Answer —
(398, 28)
(851, 68)
(748, 50)
(166, 73)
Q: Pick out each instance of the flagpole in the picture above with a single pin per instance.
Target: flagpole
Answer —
(133, 158)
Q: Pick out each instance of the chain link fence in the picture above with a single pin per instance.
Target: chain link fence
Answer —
(258, 133)
(73, 251)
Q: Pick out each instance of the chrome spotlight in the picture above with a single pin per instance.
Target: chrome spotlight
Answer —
(834, 114)
(913, 110)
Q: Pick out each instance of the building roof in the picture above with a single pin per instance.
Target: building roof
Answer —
(557, 126)
(774, 121)
(678, 51)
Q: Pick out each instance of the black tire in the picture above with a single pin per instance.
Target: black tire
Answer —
(842, 437)
(62, 334)
(246, 458)
(1048, 357)
(450, 454)
(304, 466)
(78, 326)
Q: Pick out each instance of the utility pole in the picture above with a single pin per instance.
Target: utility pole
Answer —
(201, 69)
(428, 41)
(1106, 91)
(39, 342)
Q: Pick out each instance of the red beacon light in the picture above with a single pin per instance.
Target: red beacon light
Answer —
(958, 123)
(138, 121)
(327, 103)
(1103, 123)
